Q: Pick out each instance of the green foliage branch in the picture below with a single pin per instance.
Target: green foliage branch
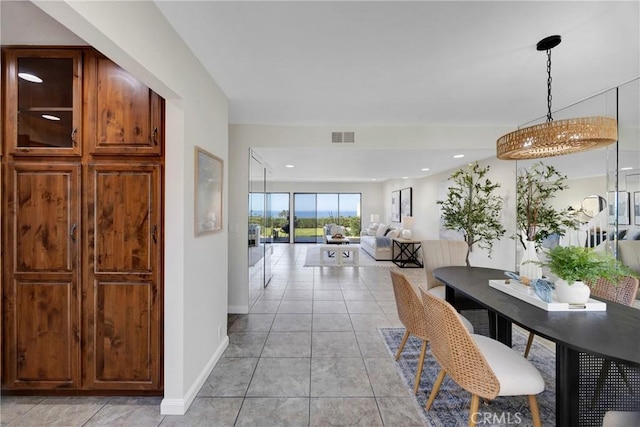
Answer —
(576, 263)
(472, 208)
(536, 217)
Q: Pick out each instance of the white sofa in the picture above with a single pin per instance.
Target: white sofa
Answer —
(376, 241)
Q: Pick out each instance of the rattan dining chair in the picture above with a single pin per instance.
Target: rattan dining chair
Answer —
(484, 367)
(411, 314)
(624, 292)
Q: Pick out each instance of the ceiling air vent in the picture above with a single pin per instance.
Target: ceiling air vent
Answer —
(342, 137)
(348, 137)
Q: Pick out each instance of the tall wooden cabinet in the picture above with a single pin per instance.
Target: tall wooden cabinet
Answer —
(82, 192)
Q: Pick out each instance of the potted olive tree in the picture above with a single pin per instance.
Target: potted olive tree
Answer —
(578, 268)
(471, 207)
(536, 217)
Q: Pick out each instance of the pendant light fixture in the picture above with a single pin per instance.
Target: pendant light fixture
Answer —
(555, 138)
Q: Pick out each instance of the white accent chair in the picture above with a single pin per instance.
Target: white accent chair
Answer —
(441, 253)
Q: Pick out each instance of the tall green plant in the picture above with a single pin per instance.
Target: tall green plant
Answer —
(472, 208)
(537, 219)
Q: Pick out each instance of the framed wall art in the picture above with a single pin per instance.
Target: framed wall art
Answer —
(623, 207)
(395, 206)
(636, 207)
(208, 192)
(405, 202)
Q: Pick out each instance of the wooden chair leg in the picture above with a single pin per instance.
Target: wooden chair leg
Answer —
(529, 342)
(473, 411)
(435, 389)
(423, 352)
(535, 410)
(402, 343)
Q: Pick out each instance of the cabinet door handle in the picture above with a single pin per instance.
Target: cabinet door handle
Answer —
(155, 136)
(73, 136)
(154, 234)
(72, 233)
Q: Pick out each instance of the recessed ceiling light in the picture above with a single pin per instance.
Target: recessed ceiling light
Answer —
(458, 156)
(628, 168)
(373, 179)
(30, 77)
(405, 177)
(425, 169)
(288, 166)
(50, 117)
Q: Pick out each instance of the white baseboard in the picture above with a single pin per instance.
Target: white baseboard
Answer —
(238, 309)
(180, 406)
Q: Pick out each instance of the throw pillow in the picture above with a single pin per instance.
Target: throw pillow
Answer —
(394, 233)
(382, 229)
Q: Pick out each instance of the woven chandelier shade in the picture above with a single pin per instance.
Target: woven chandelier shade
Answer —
(557, 138)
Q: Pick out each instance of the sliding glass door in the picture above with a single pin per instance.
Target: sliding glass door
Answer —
(278, 215)
(304, 218)
(312, 211)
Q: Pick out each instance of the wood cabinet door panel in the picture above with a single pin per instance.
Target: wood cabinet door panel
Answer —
(123, 114)
(123, 226)
(46, 333)
(123, 305)
(41, 298)
(123, 331)
(43, 204)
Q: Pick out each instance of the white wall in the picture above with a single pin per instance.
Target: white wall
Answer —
(427, 191)
(197, 113)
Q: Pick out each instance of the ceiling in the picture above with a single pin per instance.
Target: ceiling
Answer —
(422, 64)
(393, 63)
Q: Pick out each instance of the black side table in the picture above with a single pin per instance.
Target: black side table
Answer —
(406, 255)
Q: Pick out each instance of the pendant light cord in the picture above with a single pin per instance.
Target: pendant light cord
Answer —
(549, 118)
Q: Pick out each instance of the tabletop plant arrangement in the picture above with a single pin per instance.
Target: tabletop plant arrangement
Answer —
(471, 207)
(578, 268)
(536, 217)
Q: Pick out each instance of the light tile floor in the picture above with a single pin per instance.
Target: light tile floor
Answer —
(309, 353)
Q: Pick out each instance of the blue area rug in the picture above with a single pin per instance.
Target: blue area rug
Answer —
(451, 407)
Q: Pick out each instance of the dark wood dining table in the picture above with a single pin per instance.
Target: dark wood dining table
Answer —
(612, 334)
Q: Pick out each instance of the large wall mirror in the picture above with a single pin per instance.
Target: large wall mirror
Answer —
(259, 242)
(602, 182)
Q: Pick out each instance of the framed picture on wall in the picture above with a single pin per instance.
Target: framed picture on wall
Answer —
(395, 206)
(405, 202)
(208, 192)
(623, 207)
(636, 207)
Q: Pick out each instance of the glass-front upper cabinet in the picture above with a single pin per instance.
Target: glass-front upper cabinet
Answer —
(43, 102)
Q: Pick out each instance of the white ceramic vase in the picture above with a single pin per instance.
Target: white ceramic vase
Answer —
(576, 293)
(529, 269)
